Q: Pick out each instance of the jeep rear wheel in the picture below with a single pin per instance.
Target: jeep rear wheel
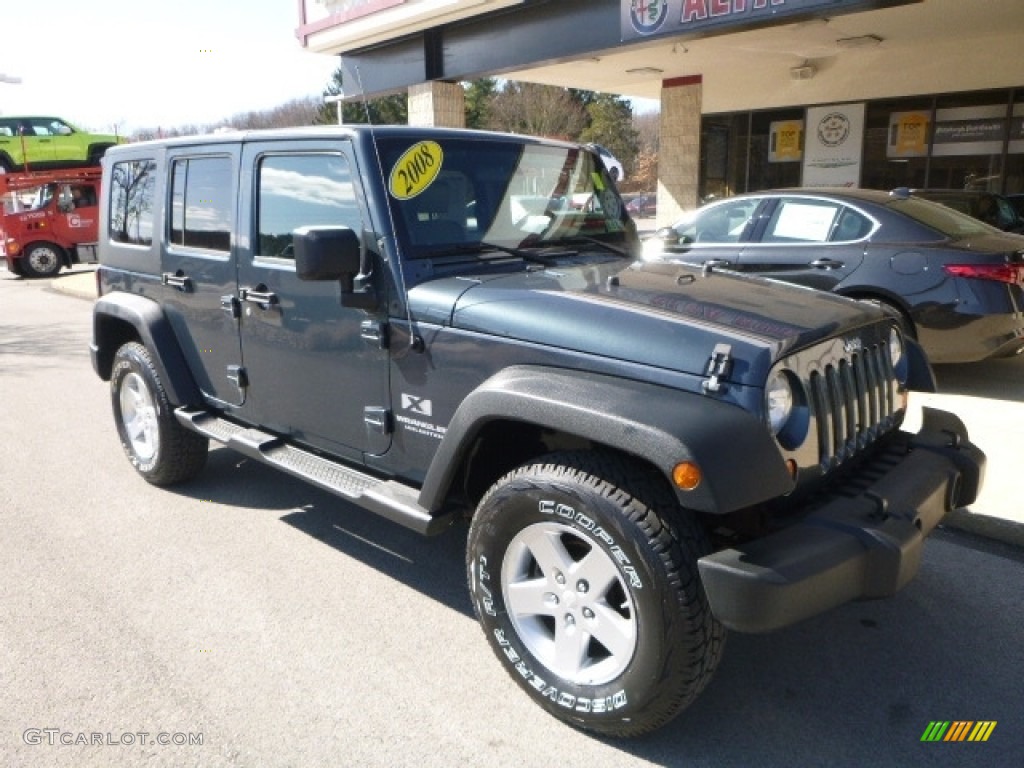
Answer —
(159, 448)
(42, 260)
(584, 577)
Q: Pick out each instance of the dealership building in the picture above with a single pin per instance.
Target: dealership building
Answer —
(754, 94)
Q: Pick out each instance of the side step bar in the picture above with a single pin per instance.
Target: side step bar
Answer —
(395, 501)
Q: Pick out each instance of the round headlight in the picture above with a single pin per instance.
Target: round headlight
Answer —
(778, 397)
(895, 346)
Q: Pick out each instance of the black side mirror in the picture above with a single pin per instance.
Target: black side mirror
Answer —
(326, 253)
(668, 236)
(334, 253)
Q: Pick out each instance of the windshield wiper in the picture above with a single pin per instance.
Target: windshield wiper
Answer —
(577, 239)
(534, 257)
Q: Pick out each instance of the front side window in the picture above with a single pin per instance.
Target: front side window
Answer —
(202, 191)
(132, 186)
(302, 190)
(724, 222)
(49, 126)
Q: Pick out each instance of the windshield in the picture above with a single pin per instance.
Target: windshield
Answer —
(946, 220)
(449, 195)
(35, 198)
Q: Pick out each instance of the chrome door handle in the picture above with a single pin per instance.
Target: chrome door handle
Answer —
(177, 280)
(711, 264)
(260, 295)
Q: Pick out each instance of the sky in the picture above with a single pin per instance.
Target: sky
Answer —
(145, 64)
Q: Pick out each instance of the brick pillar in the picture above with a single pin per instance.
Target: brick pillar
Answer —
(678, 147)
(437, 103)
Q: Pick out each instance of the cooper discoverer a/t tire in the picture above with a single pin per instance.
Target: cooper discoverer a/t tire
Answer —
(583, 574)
(159, 448)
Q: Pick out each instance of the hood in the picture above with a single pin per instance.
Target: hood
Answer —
(658, 314)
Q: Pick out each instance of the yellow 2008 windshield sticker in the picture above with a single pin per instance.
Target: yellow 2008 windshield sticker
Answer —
(416, 169)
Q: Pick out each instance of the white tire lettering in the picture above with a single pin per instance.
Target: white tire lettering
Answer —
(551, 692)
(551, 507)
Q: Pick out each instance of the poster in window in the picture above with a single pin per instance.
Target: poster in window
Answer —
(908, 135)
(833, 145)
(786, 144)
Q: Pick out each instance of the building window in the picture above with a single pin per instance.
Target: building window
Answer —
(897, 134)
(1013, 170)
(968, 140)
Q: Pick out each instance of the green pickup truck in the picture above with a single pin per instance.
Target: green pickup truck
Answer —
(40, 143)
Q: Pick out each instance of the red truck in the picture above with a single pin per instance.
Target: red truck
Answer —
(49, 220)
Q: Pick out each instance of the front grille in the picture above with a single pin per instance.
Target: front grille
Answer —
(853, 402)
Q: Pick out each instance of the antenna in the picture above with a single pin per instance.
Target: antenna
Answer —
(415, 342)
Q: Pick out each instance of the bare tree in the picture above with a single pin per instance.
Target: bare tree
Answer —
(644, 177)
(647, 129)
(537, 110)
(302, 111)
(296, 112)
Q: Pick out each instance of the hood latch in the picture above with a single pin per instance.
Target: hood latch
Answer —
(719, 367)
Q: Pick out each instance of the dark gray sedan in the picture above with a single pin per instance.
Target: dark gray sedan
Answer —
(957, 283)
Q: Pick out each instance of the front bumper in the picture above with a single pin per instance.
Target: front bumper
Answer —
(865, 544)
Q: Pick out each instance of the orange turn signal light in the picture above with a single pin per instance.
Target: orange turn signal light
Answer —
(686, 475)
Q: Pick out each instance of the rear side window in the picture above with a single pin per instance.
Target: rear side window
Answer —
(802, 221)
(132, 185)
(201, 197)
(302, 190)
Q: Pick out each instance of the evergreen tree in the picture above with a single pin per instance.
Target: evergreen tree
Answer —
(479, 95)
(383, 110)
(611, 125)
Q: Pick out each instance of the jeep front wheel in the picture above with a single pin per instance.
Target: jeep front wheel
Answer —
(583, 574)
(42, 260)
(159, 448)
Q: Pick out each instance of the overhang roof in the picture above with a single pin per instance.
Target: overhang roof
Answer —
(932, 46)
(936, 46)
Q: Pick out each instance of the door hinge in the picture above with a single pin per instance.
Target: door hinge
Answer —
(231, 305)
(375, 332)
(719, 367)
(238, 375)
(377, 418)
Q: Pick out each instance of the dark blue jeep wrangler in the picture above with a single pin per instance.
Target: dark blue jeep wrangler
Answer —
(438, 324)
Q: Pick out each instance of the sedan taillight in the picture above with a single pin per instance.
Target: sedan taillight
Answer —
(1004, 273)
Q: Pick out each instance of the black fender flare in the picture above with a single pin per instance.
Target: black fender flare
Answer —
(97, 150)
(154, 330)
(741, 463)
